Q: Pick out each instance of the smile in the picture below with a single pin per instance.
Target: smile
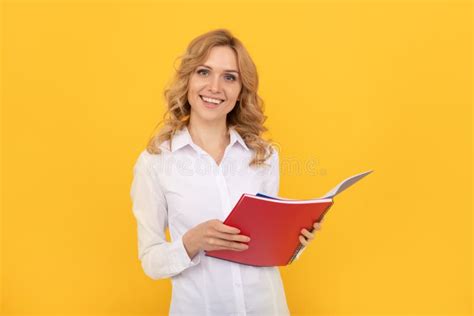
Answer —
(211, 100)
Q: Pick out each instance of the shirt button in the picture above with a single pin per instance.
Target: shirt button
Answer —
(237, 284)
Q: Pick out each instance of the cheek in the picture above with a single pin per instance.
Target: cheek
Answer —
(193, 92)
(229, 107)
(238, 92)
(195, 85)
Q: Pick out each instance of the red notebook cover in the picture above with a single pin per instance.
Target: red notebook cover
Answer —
(273, 226)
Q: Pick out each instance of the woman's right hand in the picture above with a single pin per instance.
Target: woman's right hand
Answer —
(213, 235)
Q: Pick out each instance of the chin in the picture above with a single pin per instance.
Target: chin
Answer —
(207, 114)
(212, 118)
(209, 117)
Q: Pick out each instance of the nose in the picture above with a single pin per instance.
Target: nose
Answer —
(214, 84)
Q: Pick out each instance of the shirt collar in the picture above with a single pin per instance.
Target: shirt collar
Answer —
(182, 138)
(235, 136)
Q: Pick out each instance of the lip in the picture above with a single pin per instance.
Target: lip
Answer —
(210, 105)
(202, 95)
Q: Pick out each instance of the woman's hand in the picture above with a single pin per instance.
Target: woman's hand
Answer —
(306, 237)
(213, 235)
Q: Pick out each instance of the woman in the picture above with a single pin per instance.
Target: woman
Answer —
(194, 170)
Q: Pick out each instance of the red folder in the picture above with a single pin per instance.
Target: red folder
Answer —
(273, 226)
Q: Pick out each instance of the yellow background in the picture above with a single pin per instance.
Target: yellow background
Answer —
(349, 86)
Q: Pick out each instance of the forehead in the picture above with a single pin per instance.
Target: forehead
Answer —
(222, 58)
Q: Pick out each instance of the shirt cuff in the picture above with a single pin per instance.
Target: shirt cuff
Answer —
(181, 257)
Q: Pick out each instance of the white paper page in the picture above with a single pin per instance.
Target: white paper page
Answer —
(345, 184)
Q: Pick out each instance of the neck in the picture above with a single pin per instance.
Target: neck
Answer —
(209, 134)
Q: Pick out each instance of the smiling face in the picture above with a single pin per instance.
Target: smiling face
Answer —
(214, 86)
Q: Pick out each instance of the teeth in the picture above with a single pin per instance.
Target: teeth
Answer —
(215, 101)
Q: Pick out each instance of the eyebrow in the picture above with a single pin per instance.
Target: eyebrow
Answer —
(227, 70)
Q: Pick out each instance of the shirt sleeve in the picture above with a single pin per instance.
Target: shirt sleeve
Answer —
(272, 182)
(159, 258)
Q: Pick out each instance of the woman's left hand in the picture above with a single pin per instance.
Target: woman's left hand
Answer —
(306, 237)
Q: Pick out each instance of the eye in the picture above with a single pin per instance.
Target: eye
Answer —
(201, 70)
(231, 77)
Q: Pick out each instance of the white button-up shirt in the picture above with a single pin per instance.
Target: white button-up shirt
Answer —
(183, 187)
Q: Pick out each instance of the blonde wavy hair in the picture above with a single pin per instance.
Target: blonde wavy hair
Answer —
(246, 117)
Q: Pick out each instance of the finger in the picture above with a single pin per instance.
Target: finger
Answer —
(307, 234)
(234, 245)
(232, 237)
(303, 241)
(317, 226)
(227, 229)
(220, 244)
